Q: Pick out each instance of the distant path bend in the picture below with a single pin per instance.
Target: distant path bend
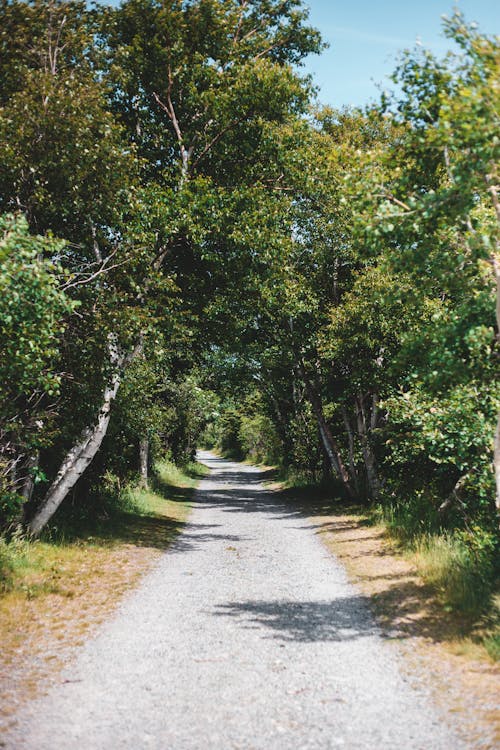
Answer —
(246, 635)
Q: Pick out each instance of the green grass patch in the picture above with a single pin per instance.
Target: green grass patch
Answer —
(181, 476)
(460, 567)
(144, 517)
(492, 646)
(14, 560)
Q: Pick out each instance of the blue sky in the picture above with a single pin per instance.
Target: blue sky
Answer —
(366, 35)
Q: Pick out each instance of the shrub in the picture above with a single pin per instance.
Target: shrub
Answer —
(229, 434)
(259, 440)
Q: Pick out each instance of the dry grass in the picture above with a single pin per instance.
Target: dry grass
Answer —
(463, 679)
(61, 592)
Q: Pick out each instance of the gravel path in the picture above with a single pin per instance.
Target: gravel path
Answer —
(246, 635)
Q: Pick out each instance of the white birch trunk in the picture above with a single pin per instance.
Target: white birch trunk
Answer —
(352, 457)
(76, 461)
(143, 461)
(82, 453)
(330, 445)
(372, 479)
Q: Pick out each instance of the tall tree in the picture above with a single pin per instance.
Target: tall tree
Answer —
(189, 93)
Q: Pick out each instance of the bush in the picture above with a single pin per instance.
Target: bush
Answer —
(229, 434)
(259, 440)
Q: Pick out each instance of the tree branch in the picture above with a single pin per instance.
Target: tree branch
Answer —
(396, 201)
(170, 111)
(240, 23)
(208, 147)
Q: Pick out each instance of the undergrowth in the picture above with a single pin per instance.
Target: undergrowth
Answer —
(27, 566)
(461, 566)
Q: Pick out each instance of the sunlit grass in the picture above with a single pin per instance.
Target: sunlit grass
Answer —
(462, 578)
(459, 568)
(492, 646)
(462, 581)
(186, 476)
(33, 568)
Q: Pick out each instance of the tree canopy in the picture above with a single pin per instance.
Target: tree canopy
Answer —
(193, 250)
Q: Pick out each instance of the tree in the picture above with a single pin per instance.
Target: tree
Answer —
(33, 310)
(68, 169)
(166, 113)
(453, 116)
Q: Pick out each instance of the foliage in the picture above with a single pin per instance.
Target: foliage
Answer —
(33, 313)
(311, 289)
(143, 137)
(32, 307)
(229, 434)
(259, 440)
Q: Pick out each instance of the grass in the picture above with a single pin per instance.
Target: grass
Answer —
(459, 568)
(460, 575)
(146, 517)
(54, 591)
(185, 477)
(463, 581)
(492, 645)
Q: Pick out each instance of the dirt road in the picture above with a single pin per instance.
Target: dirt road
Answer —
(246, 635)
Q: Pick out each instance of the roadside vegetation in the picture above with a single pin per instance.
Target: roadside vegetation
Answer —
(142, 516)
(194, 251)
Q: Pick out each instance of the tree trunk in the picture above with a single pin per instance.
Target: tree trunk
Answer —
(372, 479)
(327, 438)
(143, 461)
(352, 457)
(82, 453)
(28, 485)
(75, 462)
(282, 425)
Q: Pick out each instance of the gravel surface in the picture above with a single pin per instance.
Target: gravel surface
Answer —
(246, 635)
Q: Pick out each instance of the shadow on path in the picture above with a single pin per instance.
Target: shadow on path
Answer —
(406, 608)
(343, 619)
